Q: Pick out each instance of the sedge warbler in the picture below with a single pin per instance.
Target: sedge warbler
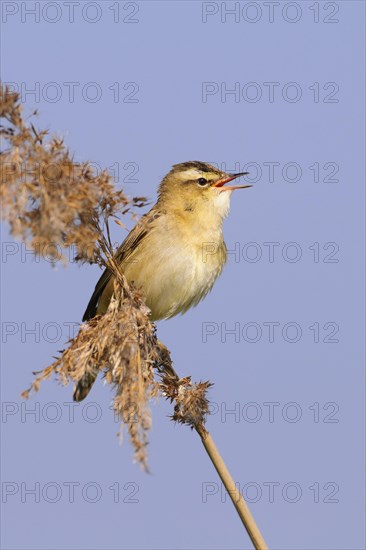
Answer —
(176, 251)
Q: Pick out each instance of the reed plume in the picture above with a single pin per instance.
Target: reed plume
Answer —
(51, 203)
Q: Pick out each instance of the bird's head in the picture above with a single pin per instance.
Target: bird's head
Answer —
(194, 186)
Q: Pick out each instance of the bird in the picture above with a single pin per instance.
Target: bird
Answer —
(176, 251)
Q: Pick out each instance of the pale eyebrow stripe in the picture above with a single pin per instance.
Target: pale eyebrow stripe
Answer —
(193, 174)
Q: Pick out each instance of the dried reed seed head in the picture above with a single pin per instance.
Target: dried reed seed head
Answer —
(191, 406)
(121, 345)
(48, 199)
(46, 196)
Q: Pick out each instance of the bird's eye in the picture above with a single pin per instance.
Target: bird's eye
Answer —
(201, 181)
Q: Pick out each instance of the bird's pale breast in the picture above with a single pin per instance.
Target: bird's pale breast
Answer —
(174, 266)
(176, 271)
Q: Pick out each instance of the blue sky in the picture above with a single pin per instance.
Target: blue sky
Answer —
(140, 86)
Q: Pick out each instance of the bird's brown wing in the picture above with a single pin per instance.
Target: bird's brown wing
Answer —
(128, 246)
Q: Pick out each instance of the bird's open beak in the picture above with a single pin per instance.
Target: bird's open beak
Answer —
(226, 179)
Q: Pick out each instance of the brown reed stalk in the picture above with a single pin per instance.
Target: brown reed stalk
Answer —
(50, 201)
(191, 408)
(236, 497)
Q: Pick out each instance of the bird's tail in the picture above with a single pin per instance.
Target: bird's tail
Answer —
(85, 384)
